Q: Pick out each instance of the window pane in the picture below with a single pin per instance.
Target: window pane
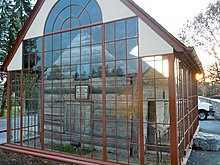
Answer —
(38, 44)
(96, 34)
(121, 50)
(39, 60)
(109, 32)
(66, 57)
(75, 38)
(65, 14)
(97, 53)
(48, 43)
(132, 27)
(94, 11)
(74, 23)
(76, 10)
(84, 19)
(120, 29)
(132, 48)
(85, 54)
(75, 55)
(56, 41)
(47, 59)
(110, 51)
(58, 24)
(132, 66)
(85, 36)
(82, 3)
(65, 40)
(66, 24)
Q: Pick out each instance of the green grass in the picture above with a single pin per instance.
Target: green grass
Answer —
(15, 111)
(72, 150)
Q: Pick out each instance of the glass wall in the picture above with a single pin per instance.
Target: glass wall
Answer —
(186, 88)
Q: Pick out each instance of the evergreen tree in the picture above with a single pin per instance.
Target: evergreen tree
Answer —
(13, 14)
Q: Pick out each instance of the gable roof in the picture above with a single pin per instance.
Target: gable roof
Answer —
(168, 37)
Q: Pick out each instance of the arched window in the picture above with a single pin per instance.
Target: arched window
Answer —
(68, 14)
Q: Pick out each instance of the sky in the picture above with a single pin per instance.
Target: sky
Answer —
(172, 14)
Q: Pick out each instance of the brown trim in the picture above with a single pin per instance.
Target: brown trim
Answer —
(22, 34)
(140, 110)
(104, 96)
(8, 106)
(173, 112)
(22, 108)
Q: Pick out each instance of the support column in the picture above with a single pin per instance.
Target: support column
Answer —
(173, 112)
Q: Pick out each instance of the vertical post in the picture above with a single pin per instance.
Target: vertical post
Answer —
(42, 98)
(103, 96)
(8, 107)
(173, 112)
(140, 110)
(21, 111)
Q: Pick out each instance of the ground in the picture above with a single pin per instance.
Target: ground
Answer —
(199, 157)
(8, 158)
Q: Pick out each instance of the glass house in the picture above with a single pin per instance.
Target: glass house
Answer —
(100, 82)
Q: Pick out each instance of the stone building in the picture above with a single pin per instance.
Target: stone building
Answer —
(89, 83)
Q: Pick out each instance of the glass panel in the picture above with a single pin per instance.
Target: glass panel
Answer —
(66, 57)
(132, 66)
(85, 36)
(85, 54)
(75, 55)
(132, 48)
(65, 13)
(25, 61)
(94, 11)
(66, 24)
(84, 19)
(47, 59)
(76, 10)
(48, 43)
(38, 42)
(65, 40)
(110, 51)
(58, 24)
(56, 41)
(96, 34)
(74, 23)
(96, 70)
(121, 50)
(97, 53)
(121, 68)
(39, 60)
(131, 27)
(120, 29)
(75, 38)
(109, 32)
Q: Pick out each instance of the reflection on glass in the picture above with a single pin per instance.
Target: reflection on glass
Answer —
(96, 34)
(120, 29)
(94, 11)
(131, 27)
(110, 51)
(132, 48)
(47, 59)
(76, 10)
(97, 53)
(75, 38)
(109, 32)
(65, 13)
(84, 19)
(66, 24)
(121, 50)
(65, 40)
(48, 43)
(85, 36)
(56, 41)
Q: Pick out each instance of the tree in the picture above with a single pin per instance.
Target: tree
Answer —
(204, 33)
(13, 14)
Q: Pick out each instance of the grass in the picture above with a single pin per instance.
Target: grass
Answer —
(72, 150)
(15, 110)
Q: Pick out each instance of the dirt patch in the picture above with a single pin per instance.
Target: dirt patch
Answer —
(9, 158)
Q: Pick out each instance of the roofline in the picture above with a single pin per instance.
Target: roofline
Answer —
(22, 34)
(161, 31)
